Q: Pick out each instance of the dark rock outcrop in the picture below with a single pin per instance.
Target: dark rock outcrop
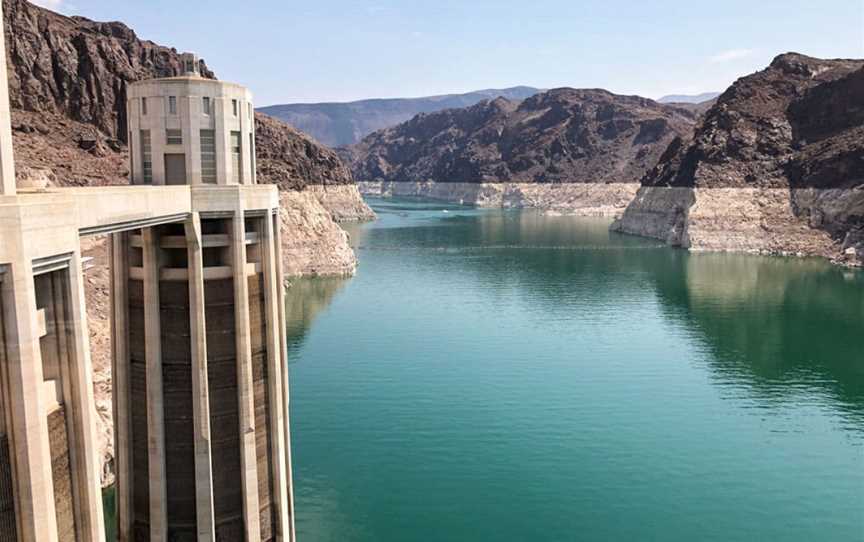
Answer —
(828, 133)
(560, 136)
(776, 165)
(77, 67)
(762, 123)
(293, 160)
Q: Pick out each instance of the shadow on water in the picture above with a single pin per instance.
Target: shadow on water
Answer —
(304, 300)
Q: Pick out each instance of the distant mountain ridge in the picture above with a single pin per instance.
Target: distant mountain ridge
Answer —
(340, 124)
(559, 136)
(688, 98)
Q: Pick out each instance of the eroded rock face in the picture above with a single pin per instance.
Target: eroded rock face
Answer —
(775, 166)
(560, 136)
(312, 243)
(77, 67)
(293, 160)
(761, 124)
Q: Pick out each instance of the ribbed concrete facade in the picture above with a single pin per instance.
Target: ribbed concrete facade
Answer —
(201, 349)
(226, 390)
(200, 383)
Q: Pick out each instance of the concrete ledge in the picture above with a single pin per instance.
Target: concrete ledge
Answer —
(180, 274)
(208, 241)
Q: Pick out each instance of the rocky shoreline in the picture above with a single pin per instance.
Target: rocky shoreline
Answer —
(770, 221)
(313, 243)
(587, 199)
(774, 165)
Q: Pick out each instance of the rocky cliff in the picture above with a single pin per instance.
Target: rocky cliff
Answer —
(775, 166)
(316, 189)
(77, 67)
(67, 79)
(560, 137)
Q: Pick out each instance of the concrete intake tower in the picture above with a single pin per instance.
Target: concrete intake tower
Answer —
(200, 384)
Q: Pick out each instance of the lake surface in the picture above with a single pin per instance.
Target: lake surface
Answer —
(504, 375)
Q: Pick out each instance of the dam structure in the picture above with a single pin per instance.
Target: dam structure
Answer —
(200, 384)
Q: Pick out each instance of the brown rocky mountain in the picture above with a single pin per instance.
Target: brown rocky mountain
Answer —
(292, 159)
(77, 67)
(560, 136)
(67, 86)
(582, 151)
(775, 165)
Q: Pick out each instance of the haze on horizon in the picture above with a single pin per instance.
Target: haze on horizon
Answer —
(343, 50)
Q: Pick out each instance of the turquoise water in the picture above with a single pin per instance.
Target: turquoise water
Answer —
(502, 375)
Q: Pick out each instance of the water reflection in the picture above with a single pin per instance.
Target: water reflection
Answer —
(777, 324)
(304, 300)
(625, 390)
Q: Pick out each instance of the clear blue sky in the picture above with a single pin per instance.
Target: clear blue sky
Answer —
(337, 50)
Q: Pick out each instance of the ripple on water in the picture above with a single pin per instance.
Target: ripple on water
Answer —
(500, 375)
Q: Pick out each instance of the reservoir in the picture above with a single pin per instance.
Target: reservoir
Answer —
(507, 375)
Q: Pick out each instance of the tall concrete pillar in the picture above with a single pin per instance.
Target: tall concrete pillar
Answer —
(78, 397)
(245, 391)
(158, 497)
(273, 300)
(49, 462)
(121, 380)
(290, 533)
(28, 442)
(206, 529)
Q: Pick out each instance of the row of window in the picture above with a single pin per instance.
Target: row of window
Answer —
(208, 154)
(206, 105)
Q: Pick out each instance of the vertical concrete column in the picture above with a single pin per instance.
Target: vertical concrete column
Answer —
(245, 387)
(29, 444)
(81, 406)
(155, 400)
(283, 357)
(7, 162)
(158, 109)
(200, 391)
(224, 170)
(136, 166)
(81, 403)
(272, 300)
(122, 384)
(192, 138)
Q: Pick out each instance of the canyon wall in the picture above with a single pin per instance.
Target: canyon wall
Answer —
(776, 166)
